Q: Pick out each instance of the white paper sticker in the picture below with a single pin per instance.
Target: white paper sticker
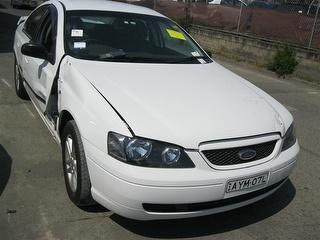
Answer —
(201, 60)
(76, 33)
(80, 45)
(195, 54)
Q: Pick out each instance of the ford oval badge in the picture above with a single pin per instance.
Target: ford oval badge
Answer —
(247, 154)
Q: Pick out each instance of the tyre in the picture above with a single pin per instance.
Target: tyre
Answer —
(75, 168)
(18, 82)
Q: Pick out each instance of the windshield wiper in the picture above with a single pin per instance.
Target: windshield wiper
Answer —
(125, 58)
(113, 55)
(188, 59)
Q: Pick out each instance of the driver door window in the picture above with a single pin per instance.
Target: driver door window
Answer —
(46, 36)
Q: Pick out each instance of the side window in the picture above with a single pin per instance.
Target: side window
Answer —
(45, 36)
(48, 31)
(33, 22)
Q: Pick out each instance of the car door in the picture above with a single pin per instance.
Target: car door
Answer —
(42, 72)
(45, 70)
(29, 34)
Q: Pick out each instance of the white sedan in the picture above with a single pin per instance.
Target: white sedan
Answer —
(150, 126)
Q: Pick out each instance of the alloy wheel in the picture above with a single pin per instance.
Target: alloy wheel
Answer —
(71, 163)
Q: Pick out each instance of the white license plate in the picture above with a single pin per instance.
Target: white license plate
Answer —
(247, 183)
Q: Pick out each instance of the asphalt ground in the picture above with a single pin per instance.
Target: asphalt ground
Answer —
(34, 203)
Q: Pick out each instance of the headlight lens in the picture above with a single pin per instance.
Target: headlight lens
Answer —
(171, 155)
(137, 149)
(147, 153)
(289, 138)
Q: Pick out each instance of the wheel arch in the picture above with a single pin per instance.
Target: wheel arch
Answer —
(65, 117)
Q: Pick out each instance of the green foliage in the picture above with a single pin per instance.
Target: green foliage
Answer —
(284, 61)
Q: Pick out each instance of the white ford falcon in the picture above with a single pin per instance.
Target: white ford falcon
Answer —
(150, 126)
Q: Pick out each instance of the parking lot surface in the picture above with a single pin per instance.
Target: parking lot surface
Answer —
(34, 203)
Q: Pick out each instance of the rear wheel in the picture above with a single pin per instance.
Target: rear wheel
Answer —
(20, 89)
(75, 168)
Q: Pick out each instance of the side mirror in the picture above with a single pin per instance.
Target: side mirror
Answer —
(35, 50)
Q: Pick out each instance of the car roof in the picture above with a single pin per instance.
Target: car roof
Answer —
(105, 5)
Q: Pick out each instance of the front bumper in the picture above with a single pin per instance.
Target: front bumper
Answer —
(147, 194)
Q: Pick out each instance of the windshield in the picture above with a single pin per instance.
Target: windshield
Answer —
(127, 37)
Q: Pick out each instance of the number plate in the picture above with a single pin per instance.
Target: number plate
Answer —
(247, 183)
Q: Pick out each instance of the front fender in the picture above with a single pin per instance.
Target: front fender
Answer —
(92, 113)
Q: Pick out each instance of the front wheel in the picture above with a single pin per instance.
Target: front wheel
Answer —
(75, 168)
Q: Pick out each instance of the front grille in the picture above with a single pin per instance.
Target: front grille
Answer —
(193, 207)
(230, 156)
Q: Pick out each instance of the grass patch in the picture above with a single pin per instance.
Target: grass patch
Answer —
(284, 61)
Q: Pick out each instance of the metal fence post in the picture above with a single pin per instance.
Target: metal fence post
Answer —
(239, 18)
(154, 4)
(314, 25)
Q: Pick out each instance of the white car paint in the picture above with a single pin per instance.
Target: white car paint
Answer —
(198, 107)
(156, 101)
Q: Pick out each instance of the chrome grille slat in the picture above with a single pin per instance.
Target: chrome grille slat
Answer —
(229, 156)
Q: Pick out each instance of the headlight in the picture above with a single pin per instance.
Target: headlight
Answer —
(289, 138)
(147, 153)
(137, 149)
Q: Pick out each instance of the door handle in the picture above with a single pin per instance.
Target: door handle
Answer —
(26, 59)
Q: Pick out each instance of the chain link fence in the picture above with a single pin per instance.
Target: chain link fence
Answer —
(292, 21)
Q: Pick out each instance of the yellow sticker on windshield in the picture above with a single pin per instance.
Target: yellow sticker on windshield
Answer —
(176, 34)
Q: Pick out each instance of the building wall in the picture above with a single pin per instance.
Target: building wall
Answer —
(255, 50)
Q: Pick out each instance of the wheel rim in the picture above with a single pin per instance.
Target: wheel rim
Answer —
(17, 77)
(71, 163)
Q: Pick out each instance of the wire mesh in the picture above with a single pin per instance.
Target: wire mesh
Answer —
(290, 21)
